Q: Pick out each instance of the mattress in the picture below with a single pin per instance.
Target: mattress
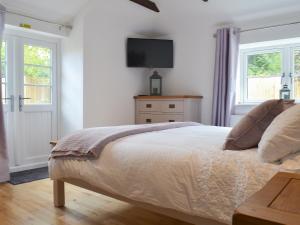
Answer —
(183, 169)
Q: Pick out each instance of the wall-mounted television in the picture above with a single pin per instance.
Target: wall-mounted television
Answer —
(150, 53)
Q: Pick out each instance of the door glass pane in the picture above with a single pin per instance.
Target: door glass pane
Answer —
(3, 61)
(3, 72)
(3, 69)
(297, 62)
(264, 76)
(3, 52)
(35, 75)
(37, 95)
(34, 55)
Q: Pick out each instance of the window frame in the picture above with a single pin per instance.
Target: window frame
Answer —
(293, 49)
(288, 65)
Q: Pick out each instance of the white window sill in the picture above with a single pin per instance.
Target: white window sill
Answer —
(247, 104)
(242, 109)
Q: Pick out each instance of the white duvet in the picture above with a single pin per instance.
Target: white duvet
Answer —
(184, 169)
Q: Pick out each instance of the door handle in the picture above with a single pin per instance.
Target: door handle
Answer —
(12, 102)
(21, 99)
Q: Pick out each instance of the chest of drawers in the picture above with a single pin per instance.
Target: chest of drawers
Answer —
(158, 109)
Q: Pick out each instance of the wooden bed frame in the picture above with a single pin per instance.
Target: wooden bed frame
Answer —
(59, 201)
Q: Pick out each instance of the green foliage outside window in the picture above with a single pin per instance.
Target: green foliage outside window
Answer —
(37, 55)
(3, 59)
(3, 51)
(297, 62)
(37, 62)
(264, 65)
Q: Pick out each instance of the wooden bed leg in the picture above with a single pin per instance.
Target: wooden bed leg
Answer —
(59, 193)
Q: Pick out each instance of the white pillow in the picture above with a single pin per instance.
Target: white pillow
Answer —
(282, 137)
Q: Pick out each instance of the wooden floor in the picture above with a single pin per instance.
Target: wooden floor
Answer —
(31, 204)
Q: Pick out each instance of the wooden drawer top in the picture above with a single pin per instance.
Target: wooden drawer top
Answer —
(53, 143)
(148, 97)
(277, 203)
(289, 199)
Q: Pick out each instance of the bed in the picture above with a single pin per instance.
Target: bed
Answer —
(181, 172)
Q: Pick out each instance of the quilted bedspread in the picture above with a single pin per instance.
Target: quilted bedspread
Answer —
(183, 169)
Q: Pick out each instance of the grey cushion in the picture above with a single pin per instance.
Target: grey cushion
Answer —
(248, 132)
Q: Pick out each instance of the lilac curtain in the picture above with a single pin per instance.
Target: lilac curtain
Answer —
(4, 174)
(227, 51)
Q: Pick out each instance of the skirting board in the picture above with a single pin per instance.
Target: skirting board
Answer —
(28, 167)
(59, 197)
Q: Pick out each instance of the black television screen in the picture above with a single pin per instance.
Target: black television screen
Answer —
(150, 53)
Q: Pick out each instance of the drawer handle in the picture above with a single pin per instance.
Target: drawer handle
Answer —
(171, 121)
(172, 106)
(149, 106)
(148, 121)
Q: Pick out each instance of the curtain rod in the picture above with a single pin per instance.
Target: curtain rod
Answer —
(38, 19)
(267, 27)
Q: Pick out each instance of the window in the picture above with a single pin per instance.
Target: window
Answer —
(37, 75)
(4, 71)
(263, 71)
(296, 72)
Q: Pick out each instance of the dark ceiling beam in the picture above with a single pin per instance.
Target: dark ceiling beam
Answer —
(148, 4)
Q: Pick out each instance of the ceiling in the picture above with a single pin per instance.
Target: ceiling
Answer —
(229, 8)
(64, 11)
(60, 11)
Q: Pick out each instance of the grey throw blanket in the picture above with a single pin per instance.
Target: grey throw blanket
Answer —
(89, 143)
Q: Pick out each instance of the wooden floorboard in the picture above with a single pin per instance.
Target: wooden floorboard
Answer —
(32, 204)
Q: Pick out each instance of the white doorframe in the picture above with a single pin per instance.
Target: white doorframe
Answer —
(15, 129)
(9, 107)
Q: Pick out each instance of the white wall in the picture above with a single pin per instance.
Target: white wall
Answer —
(109, 86)
(195, 50)
(97, 88)
(283, 32)
(41, 27)
(71, 96)
(194, 58)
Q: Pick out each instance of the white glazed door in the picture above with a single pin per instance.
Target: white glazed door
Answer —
(36, 120)
(31, 117)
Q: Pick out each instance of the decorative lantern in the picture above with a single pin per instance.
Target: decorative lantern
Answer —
(285, 92)
(156, 84)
